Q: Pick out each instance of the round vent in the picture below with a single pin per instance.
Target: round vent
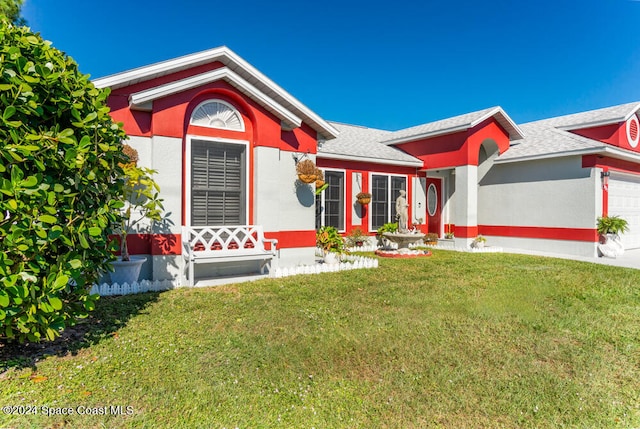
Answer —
(633, 131)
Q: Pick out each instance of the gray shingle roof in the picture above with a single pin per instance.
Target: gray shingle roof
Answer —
(550, 137)
(364, 143)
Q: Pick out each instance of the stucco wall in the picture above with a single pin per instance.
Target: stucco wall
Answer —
(547, 193)
(284, 206)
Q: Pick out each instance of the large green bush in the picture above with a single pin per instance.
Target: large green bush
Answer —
(60, 187)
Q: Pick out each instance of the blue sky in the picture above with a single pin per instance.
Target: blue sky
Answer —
(386, 65)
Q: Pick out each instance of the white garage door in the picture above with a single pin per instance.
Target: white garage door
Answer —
(624, 201)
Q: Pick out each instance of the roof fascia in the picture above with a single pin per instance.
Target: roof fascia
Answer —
(517, 133)
(143, 100)
(414, 164)
(428, 134)
(605, 150)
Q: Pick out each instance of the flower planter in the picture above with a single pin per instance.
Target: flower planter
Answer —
(127, 271)
(307, 178)
(364, 201)
(331, 258)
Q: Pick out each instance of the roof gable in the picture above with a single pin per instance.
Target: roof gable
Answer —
(238, 72)
(456, 124)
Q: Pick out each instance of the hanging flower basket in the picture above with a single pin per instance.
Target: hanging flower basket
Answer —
(306, 171)
(363, 198)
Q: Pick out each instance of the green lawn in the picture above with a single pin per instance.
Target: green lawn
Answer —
(456, 340)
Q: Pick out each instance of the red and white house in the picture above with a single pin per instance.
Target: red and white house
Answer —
(225, 140)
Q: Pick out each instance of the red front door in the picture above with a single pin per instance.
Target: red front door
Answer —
(434, 205)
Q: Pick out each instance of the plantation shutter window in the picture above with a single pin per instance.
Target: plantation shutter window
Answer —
(218, 192)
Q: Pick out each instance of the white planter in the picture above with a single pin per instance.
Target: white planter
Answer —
(127, 271)
(478, 244)
(611, 247)
(331, 258)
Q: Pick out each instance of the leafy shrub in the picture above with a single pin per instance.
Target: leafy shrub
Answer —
(356, 236)
(431, 237)
(387, 227)
(60, 187)
(612, 225)
(329, 239)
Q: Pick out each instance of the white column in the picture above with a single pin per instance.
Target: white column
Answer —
(465, 214)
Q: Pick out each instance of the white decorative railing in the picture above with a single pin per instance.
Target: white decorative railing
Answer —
(218, 244)
(106, 289)
(352, 263)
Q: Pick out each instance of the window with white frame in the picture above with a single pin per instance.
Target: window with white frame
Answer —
(217, 114)
(330, 204)
(385, 189)
(218, 183)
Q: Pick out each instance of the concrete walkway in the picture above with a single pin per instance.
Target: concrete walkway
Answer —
(630, 259)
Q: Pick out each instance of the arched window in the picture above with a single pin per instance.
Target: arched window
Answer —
(217, 114)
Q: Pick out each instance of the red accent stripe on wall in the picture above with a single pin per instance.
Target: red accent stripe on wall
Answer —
(154, 244)
(550, 233)
(289, 239)
(466, 231)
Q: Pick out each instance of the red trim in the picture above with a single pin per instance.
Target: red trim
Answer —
(605, 193)
(466, 231)
(549, 233)
(590, 161)
(154, 244)
(291, 239)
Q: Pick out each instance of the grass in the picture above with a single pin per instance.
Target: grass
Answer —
(455, 340)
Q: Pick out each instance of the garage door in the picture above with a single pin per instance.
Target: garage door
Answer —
(624, 201)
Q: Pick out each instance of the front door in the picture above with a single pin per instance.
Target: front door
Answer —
(434, 205)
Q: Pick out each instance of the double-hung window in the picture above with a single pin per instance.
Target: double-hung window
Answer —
(385, 190)
(218, 183)
(330, 204)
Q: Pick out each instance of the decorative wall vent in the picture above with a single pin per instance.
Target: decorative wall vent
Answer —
(217, 114)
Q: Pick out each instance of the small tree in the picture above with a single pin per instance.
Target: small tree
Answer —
(141, 198)
(60, 187)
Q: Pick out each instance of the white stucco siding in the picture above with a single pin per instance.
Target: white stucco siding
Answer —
(545, 193)
(281, 203)
(163, 154)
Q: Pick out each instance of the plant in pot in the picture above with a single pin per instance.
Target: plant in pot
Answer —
(140, 201)
(356, 238)
(387, 227)
(331, 242)
(306, 170)
(431, 239)
(610, 228)
(478, 242)
(363, 198)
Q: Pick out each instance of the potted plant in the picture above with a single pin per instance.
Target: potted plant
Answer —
(610, 228)
(139, 201)
(387, 227)
(306, 170)
(431, 239)
(478, 242)
(363, 198)
(331, 242)
(356, 237)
